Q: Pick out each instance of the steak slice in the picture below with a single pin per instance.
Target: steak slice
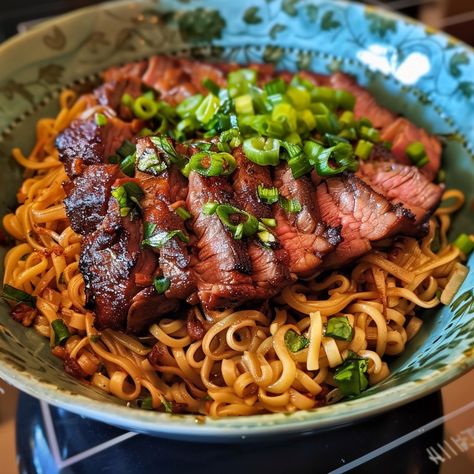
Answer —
(304, 235)
(86, 143)
(88, 197)
(363, 214)
(365, 105)
(402, 133)
(269, 263)
(111, 257)
(403, 184)
(224, 269)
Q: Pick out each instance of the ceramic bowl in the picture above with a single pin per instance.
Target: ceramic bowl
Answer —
(413, 70)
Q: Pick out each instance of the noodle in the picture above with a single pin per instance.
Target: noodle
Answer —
(243, 365)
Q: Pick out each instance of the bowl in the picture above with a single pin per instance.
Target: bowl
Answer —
(410, 68)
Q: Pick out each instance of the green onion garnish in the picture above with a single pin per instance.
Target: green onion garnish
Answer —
(150, 162)
(128, 196)
(285, 114)
(126, 148)
(465, 243)
(369, 133)
(275, 86)
(350, 376)
(183, 213)
(209, 208)
(144, 107)
(269, 222)
(244, 105)
(417, 154)
(299, 97)
(161, 284)
(147, 403)
(267, 238)
(294, 341)
(211, 164)
(19, 296)
(238, 82)
(290, 205)
(344, 99)
(227, 214)
(187, 108)
(267, 195)
(207, 109)
(100, 119)
(128, 165)
(211, 86)
(157, 238)
(298, 162)
(61, 332)
(262, 151)
(339, 328)
(363, 149)
(127, 100)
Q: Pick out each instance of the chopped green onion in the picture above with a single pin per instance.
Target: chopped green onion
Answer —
(298, 162)
(347, 118)
(165, 146)
(369, 133)
(147, 403)
(339, 328)
(415, 151)
(157, 238)
(465, 243)
(344, 99)
(275, 129)
(244, 105)
(293, 138)
(262, 151)
(126, 148)
(19, 296)
(312, 150)
(128, 165)
(100, 119)
(307, 118)
(211, 86)
(144, 107)
(267, 195)
(342, 154)
(167, 405)
(327, 123)
(298, 81)
(363, 149)
(161, 284)
(238, 81)
(290, 205)
(128, 196)
(326, 95)
(212, 164)
(299, 97)
(269, 222)
(286, 114)
(275, 86)
(187, 108)
(207, 109)
(183, 213)
(267, 238)
(350, 376)
(150, 162)
(209, 208)
(348, 133)
(231, 136)
(424, 161)
(276, 99)
(294, 341)
(127, 100)
(61, 332)
(247, 228)
(319, 108)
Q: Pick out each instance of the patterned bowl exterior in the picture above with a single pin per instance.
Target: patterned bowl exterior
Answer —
(410, 68)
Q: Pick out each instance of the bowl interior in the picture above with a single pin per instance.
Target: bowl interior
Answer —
(421, 74)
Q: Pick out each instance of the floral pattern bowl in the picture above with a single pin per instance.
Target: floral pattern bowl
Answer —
(410, 68)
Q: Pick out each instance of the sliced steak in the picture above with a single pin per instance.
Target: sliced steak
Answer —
(304, 235)
(110, 94)
(402, 133)
(136, 69)
(224, 268)
(403, 184)
(110, 259)
(363, 214)
(88, 197)
(85, 143)
(365, 105)
(270, 264)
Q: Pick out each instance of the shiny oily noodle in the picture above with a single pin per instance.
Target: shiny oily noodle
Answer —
(242, 366)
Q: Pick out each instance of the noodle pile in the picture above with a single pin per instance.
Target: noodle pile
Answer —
(242, 366)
